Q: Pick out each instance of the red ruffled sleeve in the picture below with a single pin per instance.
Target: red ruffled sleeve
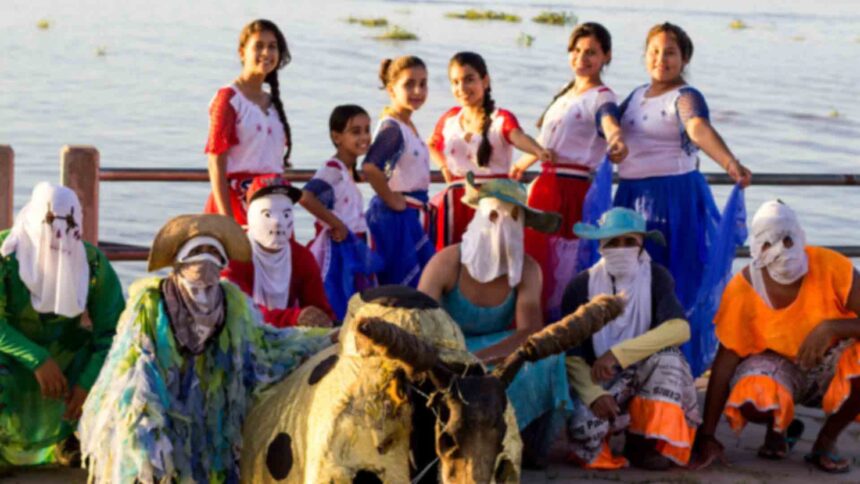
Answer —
(222, 123)
(437, 140)
(509, 123)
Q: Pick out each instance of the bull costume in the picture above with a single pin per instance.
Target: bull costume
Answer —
(282, 277)
(787, 327)
(631, 375)
(59, 303)
(189, 355)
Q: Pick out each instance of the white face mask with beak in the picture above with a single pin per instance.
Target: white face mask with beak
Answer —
(493, 243)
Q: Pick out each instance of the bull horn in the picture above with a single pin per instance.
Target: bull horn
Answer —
(571, 331)
(395, 342)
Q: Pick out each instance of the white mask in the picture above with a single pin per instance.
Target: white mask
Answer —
(772, 223)
(270, 221)
(621, 262)
(493, 243)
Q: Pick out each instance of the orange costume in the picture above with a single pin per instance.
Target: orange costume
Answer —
(771, 338)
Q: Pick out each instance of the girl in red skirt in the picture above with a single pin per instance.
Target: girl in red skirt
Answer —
(474, 136)
(579, 126)
(248, 131)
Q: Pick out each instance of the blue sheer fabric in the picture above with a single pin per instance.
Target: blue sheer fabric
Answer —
(322, 190)
(539, 387)
(350, 269)
(690, 104)
(605, 109)
(387, 146)
(400, 240)
(731, 233)
(598, 200)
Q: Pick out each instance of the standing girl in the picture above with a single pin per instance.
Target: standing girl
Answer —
(397, 166)
(579, 125)
(333, 197)
(665, 124)
(248, 131)
(474, 136)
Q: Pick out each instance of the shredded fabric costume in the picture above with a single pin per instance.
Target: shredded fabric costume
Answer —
(31, 425)
(159, 412)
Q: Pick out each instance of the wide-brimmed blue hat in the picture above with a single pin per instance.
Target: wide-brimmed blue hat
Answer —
(615, 222)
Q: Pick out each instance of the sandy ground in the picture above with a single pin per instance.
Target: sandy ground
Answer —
(745, 466)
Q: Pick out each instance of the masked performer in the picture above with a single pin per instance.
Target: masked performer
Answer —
(189, 354)
(631, 375)
(491, 288)
(282, 277)
(59, 303)
(787, 326)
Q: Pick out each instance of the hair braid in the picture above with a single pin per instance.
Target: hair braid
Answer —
(272, 80)
(560, 93)
(485, 150)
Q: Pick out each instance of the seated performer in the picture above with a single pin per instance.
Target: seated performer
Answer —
(59, 303)
(283, 277)
(787, 326)
(492, 289)
(188, 355)
(631, 375)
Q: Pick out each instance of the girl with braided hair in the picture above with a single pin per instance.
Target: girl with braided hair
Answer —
(249, 134)
(474, 136)
(581, 126)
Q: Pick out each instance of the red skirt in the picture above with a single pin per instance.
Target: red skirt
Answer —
(452, 215)
(237, 185)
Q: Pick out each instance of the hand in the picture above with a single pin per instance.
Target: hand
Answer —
(815, 346)
(74, 403)
(547, 156)
(707, 450)
(617, 150)
(446, 174)
(314, 317)
(397, 202)
(338, 231)
(604, 368)
(739, 173)
(51, 380)
(517, 171)
(605, 408)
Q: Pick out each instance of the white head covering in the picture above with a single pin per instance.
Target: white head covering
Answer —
(622, 270)
(52, 260)
(772, 223)
(270, 225)
(493, 248)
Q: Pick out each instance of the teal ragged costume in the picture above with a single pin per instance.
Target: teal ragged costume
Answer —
(31, 425)
(158, 412)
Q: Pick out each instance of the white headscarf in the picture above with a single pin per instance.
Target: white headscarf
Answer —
(52, 260)
(492, 248)
(630, 267)
(270, 226)
(772, 223)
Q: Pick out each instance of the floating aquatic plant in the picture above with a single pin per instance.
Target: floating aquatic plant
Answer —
(525, 39)
(397, 32)
(555, 18)
(44, 24)
(738, 24)
(833, 114)
(798, 38)
(368, 22)
(474, 14)
(101, 51)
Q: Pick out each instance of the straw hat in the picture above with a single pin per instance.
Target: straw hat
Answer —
(181, 228)
(513, 192)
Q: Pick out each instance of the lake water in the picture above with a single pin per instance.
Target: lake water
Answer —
(783, 92)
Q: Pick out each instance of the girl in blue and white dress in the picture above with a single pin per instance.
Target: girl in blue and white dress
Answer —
(333, 197)
(397, 166)
(665, 123)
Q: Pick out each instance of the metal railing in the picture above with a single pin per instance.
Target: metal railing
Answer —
(80, 170)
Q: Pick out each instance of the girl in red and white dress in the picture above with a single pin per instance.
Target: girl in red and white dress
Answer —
(248, 131)
(474, 136)
(332, 196)
(580, 125)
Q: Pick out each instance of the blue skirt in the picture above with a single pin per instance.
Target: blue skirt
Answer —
(683, 209)
(401, 240)
(351, 269)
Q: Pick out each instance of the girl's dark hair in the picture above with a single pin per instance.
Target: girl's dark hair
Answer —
(586, 29)
(284, 58)
(475, 61)
(338, 120)
(681, 37)
(389, 69)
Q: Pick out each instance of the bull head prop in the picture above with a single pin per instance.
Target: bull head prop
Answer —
(469, 404)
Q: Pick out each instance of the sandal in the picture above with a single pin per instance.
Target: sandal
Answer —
(815, 457)
(792, 435)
